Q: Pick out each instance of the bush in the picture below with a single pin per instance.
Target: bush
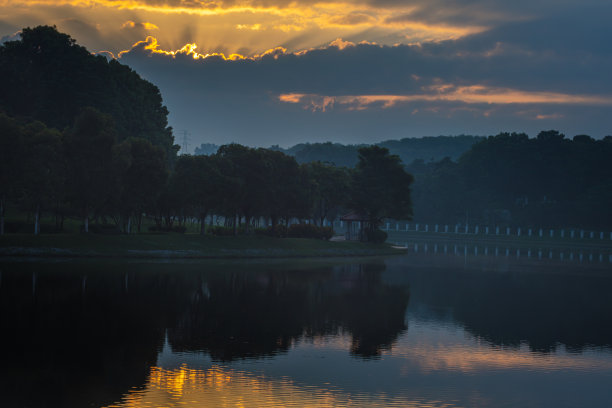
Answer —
(220, 231)
(175, 228)
(310, 231)
(105, 229)
(377, 236)
(277, 231)
(14, 227)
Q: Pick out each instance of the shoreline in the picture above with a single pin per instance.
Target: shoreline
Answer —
(184, 246)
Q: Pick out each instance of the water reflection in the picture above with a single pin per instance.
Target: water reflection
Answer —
(590, 255)
(98, 327)
(250, 314)
(542, 304)
(219, 386)
(421, 330)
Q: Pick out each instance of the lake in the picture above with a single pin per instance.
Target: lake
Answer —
(454, 328)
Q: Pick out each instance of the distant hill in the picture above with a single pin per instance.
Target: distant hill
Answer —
(429, 148)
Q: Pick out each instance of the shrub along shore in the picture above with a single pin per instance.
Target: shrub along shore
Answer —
(176, 246)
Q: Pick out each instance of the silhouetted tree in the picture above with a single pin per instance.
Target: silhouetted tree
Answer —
(281, 190)
(11, 156)
(89, 151)
(42, 175)
(331, 188)
(48, 77)
(380, 186)
(197, 182)
(244, 171)
(141, 175)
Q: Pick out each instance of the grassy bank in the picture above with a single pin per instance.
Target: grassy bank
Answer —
(181, 246)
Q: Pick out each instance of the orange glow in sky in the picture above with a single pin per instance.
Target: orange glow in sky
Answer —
(476, 94)
(229, 27)
(424, 66)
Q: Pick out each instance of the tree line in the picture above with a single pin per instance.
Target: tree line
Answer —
(86, 171)
(82, 136)
(514, 180)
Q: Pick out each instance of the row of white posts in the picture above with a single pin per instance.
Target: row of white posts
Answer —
(460, 229)
(540, 254)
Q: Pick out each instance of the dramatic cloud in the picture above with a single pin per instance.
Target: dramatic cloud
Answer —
(232, 25)
(263, 72)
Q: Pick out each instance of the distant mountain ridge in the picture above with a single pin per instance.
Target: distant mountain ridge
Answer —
(428, 148)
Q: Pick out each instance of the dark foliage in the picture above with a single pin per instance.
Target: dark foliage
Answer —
(310, 231)
(511, 179)
(376, 236)
(181, 229)
(220, 231)
(380, 186)
(47, 76)
(107, 229)
(276, 231)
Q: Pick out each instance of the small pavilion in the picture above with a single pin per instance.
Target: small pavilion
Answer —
(356, 224)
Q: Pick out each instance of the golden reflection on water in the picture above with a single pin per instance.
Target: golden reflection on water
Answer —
(469, 359)
(219, 387)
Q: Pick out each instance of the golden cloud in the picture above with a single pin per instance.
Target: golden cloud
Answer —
(145, 25)
(342, 18)
(475, 94)
(152, 45)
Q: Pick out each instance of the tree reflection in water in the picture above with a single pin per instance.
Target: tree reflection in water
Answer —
(83, 334)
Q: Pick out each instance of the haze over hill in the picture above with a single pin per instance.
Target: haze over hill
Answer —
(408, 149)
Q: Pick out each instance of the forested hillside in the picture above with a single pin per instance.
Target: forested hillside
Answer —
(47, 76)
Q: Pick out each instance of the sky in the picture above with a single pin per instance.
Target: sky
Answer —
(267, 72)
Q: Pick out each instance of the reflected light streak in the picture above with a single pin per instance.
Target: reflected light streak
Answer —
(470, 359)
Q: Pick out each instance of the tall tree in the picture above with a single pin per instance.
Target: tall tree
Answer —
(141, 172)
(280, 187)
(244, 173)
(89, 152)
(331, 189)
(11, 155)
(42, 175)
(197, 181)
(380, 186)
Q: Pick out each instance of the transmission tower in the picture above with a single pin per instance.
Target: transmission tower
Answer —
(185, 144)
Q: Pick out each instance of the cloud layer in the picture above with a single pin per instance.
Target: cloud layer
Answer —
(263, 72)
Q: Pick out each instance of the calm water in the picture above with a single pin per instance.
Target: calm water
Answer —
(421, 330)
